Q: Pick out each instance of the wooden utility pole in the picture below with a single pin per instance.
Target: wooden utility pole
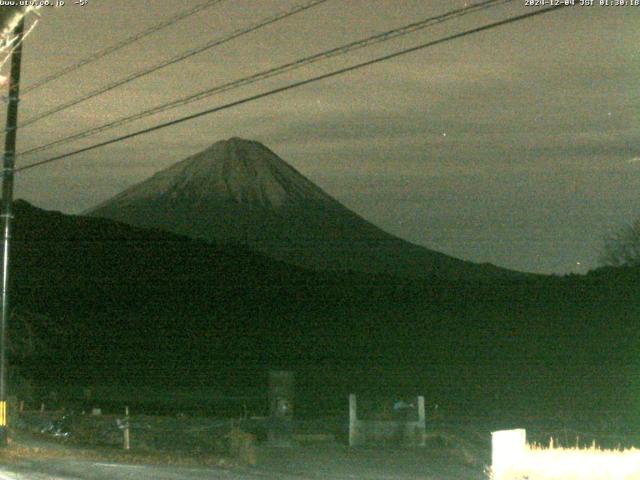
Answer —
(7, 202)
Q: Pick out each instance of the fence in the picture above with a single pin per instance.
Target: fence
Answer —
(403, 430)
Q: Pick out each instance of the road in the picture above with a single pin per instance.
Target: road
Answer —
(298, 464)
(86, 470)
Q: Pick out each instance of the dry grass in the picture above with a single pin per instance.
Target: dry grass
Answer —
(458, 447)
(592, 463)
(242, 446)
(24, 447)
(154, 439)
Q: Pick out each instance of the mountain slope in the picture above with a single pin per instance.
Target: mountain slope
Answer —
(240, 191)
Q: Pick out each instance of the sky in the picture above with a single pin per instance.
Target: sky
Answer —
(516, 146)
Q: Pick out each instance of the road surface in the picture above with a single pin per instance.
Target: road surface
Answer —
(310, 463)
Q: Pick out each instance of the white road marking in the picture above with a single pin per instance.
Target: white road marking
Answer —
(4, 475)
(116, 465)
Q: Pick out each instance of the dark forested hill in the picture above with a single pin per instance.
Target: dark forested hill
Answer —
(114, 303)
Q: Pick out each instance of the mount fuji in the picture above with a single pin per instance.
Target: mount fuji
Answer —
(239, 191)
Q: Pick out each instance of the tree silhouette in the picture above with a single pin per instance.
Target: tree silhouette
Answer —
(622, 248)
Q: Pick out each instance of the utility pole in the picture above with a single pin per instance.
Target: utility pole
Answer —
(7, 202)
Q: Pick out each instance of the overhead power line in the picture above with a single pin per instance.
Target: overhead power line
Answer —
(271, 72)
(297, 84)
(178, 58)
(121, 44)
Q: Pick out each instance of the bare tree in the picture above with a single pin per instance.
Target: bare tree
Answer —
(622, 248)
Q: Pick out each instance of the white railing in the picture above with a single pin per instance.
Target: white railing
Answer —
(513, 459)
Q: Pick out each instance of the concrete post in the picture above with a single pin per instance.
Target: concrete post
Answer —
(422, 422)
(353, 421)
(507, 451)
(126, 438)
